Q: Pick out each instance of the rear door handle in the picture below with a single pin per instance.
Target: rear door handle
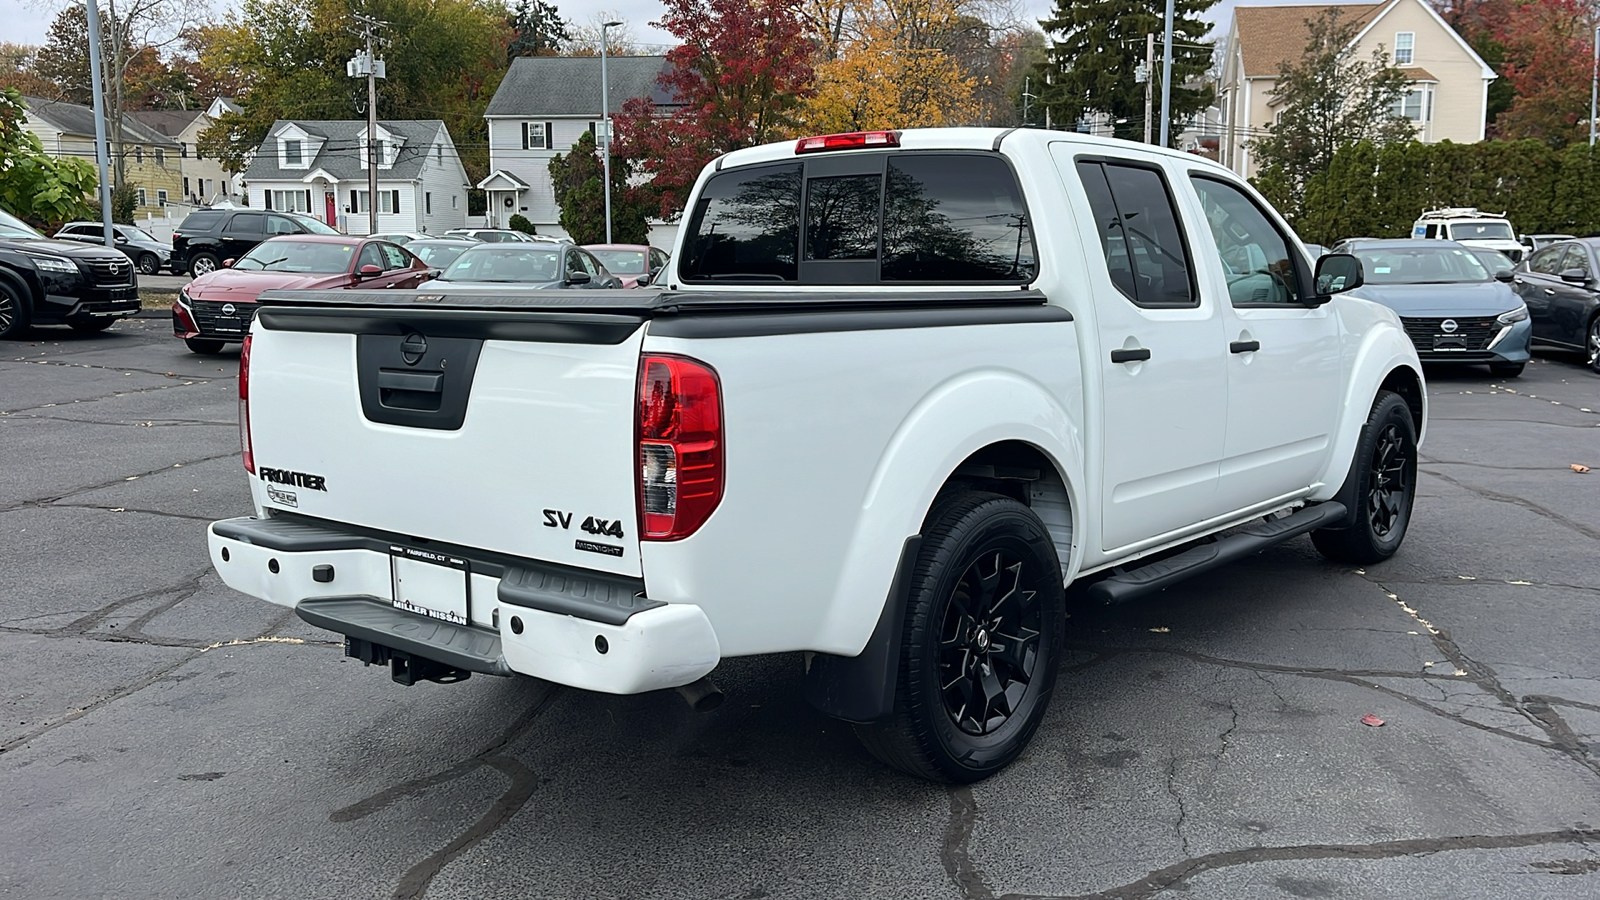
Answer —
(1244, 346)
(1550, 292)
(1126, 356)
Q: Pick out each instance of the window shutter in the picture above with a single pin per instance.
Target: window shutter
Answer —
(355, 202)
(524, 135)
(308, 200)
(394, 205)
(549, 135)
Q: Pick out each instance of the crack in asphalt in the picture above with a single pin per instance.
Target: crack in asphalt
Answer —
(131, 509)
(1173, 876)
(127, 690)
(152, 423)
(954, 850)
(1529, 505)
(12, 413)
(55, 500)
(413, 884)
(1183, 809)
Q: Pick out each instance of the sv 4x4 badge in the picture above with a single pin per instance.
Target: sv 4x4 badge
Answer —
(555, 518)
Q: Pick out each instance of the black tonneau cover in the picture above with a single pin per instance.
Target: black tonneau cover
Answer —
(609, 316)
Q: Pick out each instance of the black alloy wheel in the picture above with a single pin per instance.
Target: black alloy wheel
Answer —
(989, 641)
(1381, 487)
(983, 635)
(149, 264)
(1593, 343)
(13, 314)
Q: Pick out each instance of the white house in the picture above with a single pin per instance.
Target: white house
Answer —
(320, 168)
(543, 105)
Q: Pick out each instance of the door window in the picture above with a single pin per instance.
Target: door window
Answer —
(1547, 261)
(1575, 259)
(590, 265)
(1255, 255)
(281, 225)
(1139, 233)
(247, 223)
(658, 259)
(1431, 232)
(394, 258)
(574, 263)
(370, 256)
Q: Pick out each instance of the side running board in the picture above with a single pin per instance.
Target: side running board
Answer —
(1253, 539)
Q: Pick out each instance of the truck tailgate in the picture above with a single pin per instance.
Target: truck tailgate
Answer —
(511, 432)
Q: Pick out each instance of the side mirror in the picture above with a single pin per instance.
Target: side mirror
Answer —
(646, 278)
(369, 271)
(1505, 275)
(1337, 273)
(227, 264)
(121, 239)
(1575, 276)
(577, 278)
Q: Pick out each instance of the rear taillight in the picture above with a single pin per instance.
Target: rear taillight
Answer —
(244, 407)
(680, 446)
(850, 141)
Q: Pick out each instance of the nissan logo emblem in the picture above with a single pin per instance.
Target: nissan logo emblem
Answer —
(229, 309)
(1448, 326)
(413, 348)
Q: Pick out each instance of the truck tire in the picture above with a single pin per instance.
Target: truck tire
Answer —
(13, 312)
(1381, 487)
(201, 263)
(984, 627)
(204, 346)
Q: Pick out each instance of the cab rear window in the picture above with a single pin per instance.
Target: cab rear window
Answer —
(892, 217)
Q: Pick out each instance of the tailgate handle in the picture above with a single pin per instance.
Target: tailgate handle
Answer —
(400, 380)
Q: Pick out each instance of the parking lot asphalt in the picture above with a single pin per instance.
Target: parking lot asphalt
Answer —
(165, 737)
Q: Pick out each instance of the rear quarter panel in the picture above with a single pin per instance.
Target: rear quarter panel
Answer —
(836, 444)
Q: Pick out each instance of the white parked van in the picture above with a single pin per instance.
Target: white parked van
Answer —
(1470, 226)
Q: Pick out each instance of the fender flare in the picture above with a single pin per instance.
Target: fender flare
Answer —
(1381, 356)
(860, 686)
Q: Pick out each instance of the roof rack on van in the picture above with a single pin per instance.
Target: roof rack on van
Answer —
(1460, 212)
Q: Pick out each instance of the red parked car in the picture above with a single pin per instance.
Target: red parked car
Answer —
(215, 309)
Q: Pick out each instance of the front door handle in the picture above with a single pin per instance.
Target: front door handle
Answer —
(1244, 346)
(1127, 356)
(1550, 292)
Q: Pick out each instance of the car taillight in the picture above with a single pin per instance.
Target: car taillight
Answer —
(680, 446)
(244, 407)
(849, 141)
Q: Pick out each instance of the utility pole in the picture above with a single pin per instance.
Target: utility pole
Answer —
(1149, 83)
(369, 65)
(101, 151)
(1594, 83)
(1025, 96)
(1166, 79)
(605, 121)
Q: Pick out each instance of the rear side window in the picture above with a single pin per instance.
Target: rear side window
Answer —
(1139, 234)
(864, 219)
(746, 227)
(202, 220)
(246, 223)
(1575, 259)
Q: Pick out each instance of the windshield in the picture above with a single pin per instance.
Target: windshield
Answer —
(310, 257)
(623, 262)
(11, 226)
(137, 234)
(439, 255)
(1419, 265)
(514, 264)
(1480, 231)
(315, 226)
(1494, 261)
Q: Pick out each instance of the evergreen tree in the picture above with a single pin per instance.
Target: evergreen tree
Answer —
(538, 30)
(1095, 46)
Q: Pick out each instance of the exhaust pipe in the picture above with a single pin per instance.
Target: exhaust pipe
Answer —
(702, 696)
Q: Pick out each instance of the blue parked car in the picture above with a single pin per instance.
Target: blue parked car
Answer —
(1454, 309)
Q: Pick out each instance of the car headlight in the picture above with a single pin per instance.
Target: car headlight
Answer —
(1516, 315)
(53, 264)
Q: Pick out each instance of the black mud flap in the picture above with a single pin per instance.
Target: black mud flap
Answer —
(861, 688)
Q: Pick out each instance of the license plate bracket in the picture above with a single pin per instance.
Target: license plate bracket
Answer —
(429, 584)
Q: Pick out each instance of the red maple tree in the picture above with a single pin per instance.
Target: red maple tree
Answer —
(735, 81)
(1542, 50)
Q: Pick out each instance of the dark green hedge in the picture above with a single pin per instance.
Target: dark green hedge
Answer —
(1370, 191)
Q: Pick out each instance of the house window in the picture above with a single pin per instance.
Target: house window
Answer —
(388, 201)
(141, 197)
(536, 135)
(1405, 43)
(453, 201)
(161, 198)
(438, 151)
(183, 150)
(383, 153)
(289, 201)
(138, 154)
(161, 157)
(1411, 105)
(291, 153)
(186, 191)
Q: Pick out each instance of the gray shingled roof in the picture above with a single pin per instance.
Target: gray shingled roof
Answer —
(74, 119)
(170, 122)
(538, 86)
(340, 154)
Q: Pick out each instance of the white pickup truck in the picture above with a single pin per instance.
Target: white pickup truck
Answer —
(896, 391)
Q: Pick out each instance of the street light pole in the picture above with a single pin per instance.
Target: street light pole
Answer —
(605, 121)
(101, 151)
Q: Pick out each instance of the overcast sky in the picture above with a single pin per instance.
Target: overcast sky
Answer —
(27, 20)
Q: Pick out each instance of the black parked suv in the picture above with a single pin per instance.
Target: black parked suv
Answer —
(209, 236)
(49, 282)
